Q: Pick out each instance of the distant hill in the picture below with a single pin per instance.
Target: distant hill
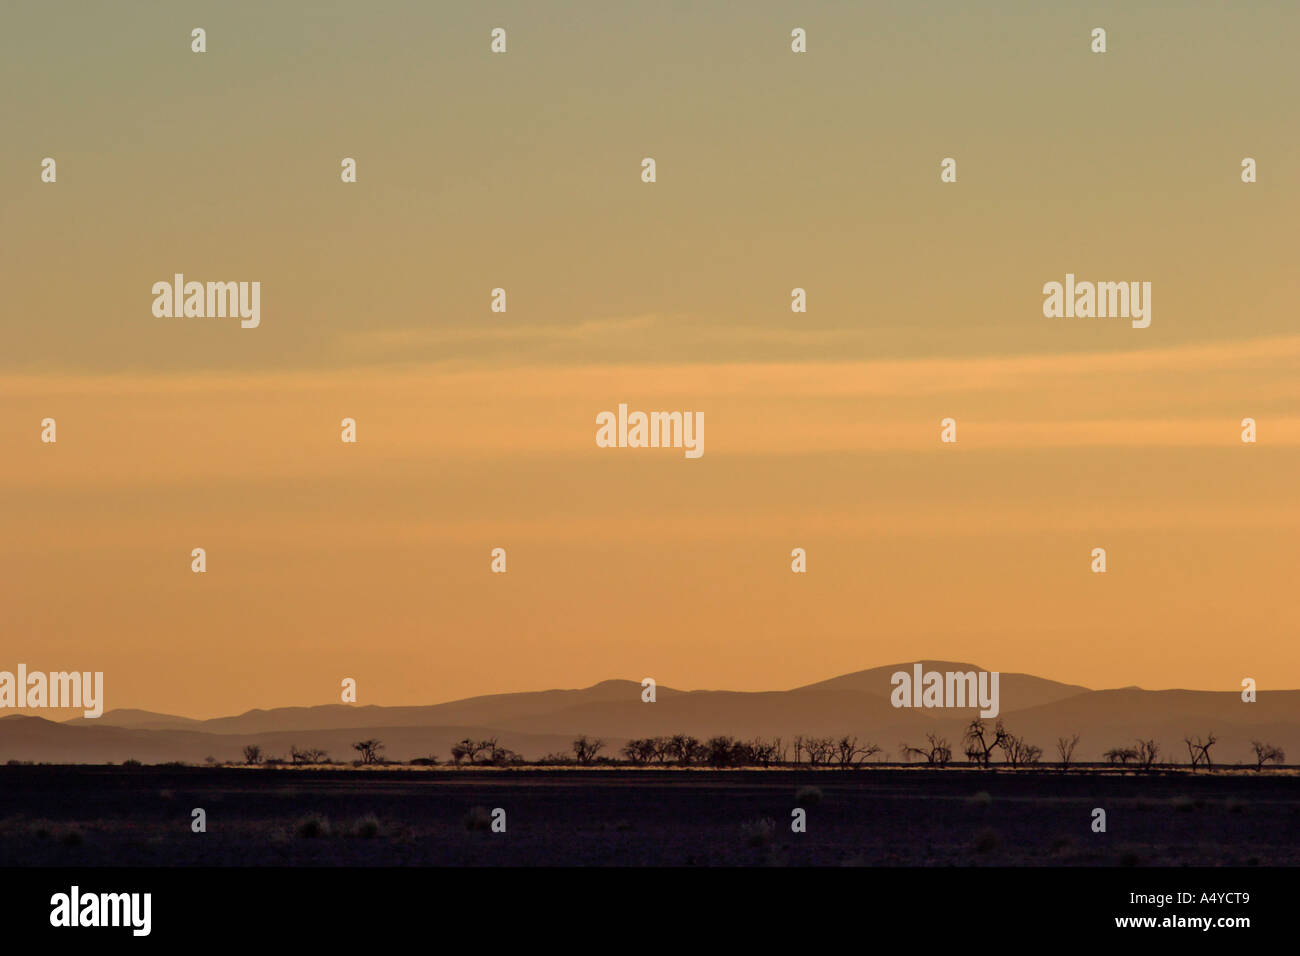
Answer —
(140, 720)
(1016, 691)
(540, 722)
(42, 741)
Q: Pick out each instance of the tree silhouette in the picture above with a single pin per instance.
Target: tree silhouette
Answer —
(1265, 753)
(980, 746)
(585, 749)
(1121, 755)
(1199, 751)
(684, 749)
(850, 753)
(1147, 751)
(938, 754)
(307, 755)
(1065, 747)
(369, 750)
(1018, 752)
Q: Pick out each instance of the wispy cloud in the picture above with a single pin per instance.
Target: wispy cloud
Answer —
(271, 425)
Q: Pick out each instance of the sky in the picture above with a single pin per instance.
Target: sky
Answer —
(476, 429)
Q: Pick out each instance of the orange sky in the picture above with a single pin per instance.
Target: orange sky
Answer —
(477, 429)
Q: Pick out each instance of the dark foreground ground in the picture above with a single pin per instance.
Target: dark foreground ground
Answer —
(100, 816)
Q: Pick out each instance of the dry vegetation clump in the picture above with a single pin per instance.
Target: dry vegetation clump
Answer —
(986, 841)
(759, 832)
(478, 818)
(312, 827)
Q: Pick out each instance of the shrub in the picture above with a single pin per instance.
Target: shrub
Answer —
(556, 760)
(478, 818)
(986, 841)
(759, 832)
(312, 827)
(808, 796)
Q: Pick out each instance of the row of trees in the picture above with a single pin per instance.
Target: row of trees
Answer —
(980, 743)
(683, 750)
(484, 753)
(1145, 753)
(368, 751)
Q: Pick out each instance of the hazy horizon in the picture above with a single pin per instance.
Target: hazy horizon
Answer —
(72, 713)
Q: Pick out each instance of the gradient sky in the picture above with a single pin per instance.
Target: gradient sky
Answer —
(477, 429)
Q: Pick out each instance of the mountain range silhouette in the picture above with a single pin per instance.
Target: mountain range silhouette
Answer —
(541, 722)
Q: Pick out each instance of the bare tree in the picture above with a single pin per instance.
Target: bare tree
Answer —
(252, 754)
(640, 751)
(763, 753)
(1121, 755)
(979, 745)
(1266, 753)
(820, 750)
(307, 755)
(1017, 752)
(1065, 748)
(585, 749)
(461, 750)
(369, 750)
(721, 751)
(1199, 751)
(849, 753)
(1147, 751)
(938, 754)
(498, 756)
(684, 749)
(477, 751)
